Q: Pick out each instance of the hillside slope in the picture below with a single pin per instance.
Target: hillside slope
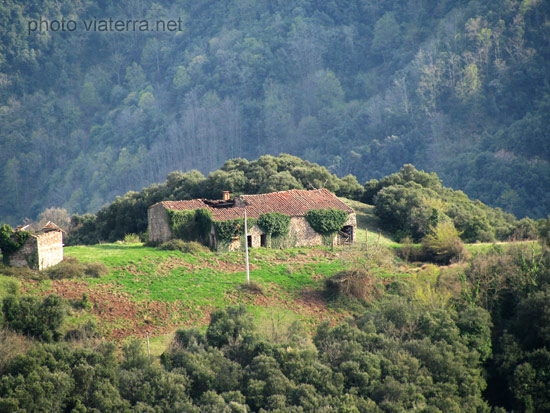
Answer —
(460, 88)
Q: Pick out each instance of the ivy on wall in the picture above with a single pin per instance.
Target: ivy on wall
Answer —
(276, 227)
(226, 230)
(190, 225)
(326, 221)
(193, 225)
(11, 241)
(274, 223)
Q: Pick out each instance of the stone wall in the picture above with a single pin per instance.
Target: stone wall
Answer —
(39, 251)
(50, 249)
(159, 229)
(303, 234)
(27, 255)
(300, 234)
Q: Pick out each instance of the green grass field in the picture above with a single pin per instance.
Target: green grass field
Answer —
(148, 289)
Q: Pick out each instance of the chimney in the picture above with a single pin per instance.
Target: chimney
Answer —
(226, 195)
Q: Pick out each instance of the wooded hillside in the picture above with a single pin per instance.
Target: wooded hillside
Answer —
(456, 87)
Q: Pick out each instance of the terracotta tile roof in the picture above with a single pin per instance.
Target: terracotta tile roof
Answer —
(295, 202)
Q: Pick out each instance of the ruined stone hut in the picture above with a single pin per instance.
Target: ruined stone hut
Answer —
(293, 203)
(41, 250)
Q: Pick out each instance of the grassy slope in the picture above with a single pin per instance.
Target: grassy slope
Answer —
(149, 290)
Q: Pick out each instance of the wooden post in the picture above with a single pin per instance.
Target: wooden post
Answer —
(246, 248)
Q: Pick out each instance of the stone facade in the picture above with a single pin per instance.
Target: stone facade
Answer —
(300, 232)
(40, 251)
(159, 229)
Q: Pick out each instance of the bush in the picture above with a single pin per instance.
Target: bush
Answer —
(190, 225)
(71, 267)
(443, 244)
(95, 269)
(253, 287)
(11, 241)
(86, 331)
(131, 239)
(34, 317)
(358, 283)
(188, 247)
(24, 272)
(11, 345)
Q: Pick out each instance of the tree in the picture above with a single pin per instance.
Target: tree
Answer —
(386, 35)
(443, 243)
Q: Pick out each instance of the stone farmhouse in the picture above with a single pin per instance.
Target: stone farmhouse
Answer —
(41, 250)
(293, 203)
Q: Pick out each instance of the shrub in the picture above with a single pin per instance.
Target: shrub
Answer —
(253, 287)
(68, 268)
(443, 244)
(8, 286)
(11, 241)
(24, 272)
(543, 230)
(358, 283)
(34, 317)
(131, 239)
(83, 332)
(95, 269)
(11, 345)
(189, 247)
(71, 267)
(226, 230)
(326, 221)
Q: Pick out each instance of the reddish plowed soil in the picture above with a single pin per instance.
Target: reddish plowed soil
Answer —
(116, 309)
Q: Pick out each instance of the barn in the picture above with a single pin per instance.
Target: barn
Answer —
(294, 204)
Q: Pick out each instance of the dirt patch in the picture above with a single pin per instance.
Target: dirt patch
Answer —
(120, 316)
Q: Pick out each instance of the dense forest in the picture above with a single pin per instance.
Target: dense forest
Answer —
(362, 87)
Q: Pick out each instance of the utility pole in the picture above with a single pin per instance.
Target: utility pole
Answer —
(148, 348)
(246, 248)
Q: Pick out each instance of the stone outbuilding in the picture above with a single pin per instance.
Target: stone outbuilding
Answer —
(293, 203)
(41, 250)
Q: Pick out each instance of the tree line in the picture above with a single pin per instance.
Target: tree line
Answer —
(409, 203)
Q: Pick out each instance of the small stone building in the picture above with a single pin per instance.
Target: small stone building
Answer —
(294, 203)
(41, 250)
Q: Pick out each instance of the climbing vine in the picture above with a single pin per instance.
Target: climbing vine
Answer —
(274, 223)
(226, 230)
(326, 221)
(190, 225)
(276, 227)
(11, 241)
